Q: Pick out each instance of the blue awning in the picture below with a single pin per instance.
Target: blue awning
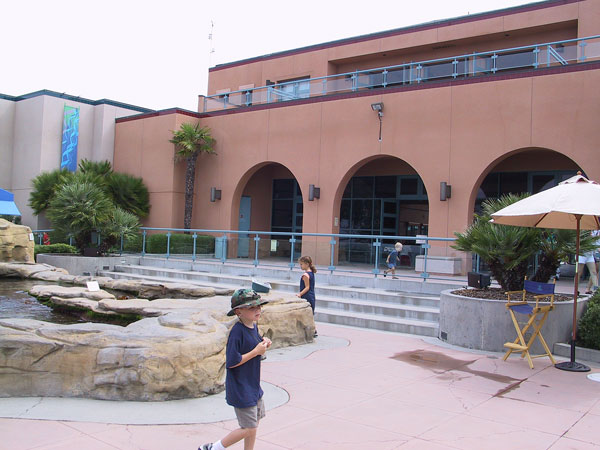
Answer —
(7, 204)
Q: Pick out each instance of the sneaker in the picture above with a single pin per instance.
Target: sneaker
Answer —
(206, 447)
(316, 334)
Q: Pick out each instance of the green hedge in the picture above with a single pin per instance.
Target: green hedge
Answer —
(588, 329)
(54, 248)
(132, 245)
(180, 244)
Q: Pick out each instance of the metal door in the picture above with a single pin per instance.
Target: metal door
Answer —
(244, 225)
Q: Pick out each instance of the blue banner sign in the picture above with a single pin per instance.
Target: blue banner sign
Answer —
(70, 139)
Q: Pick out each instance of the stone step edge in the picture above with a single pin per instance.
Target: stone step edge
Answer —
(376, 304)
(373, 303)
(284, 282)
(380, 318)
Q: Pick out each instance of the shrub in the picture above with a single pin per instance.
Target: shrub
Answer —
(180, 244)
(132, 244)
(588, 329)
(54, 248)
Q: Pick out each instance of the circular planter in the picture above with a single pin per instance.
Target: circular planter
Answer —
(484, 324)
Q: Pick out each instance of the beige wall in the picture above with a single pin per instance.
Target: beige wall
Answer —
(7, 122)
(31, 136)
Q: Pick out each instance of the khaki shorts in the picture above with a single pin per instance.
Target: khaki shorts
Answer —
(249, 417)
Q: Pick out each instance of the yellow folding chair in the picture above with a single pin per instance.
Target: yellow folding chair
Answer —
(537, 316)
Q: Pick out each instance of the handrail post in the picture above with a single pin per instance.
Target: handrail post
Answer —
(582, 54)
(168, 244)
(121, 251)
(194, 237)
(536, 53)
(324, 86)
(292, 241)
(376, 244)
(426, 246)
(256, 241)
(384, 78)
(355, 81)
(144, 243)
(331, 266)
(40, 237)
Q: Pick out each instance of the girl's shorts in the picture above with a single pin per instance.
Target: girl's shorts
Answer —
(391, 266)
(586, 258)
(249, 417)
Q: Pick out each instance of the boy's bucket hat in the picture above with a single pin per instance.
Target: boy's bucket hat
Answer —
(244, 298)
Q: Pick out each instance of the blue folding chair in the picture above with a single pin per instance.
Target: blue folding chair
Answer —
(537, 315)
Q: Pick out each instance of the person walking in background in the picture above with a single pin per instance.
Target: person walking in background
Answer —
(392, 260)
(307, 282)
(245, 347)
(588, 260)
(591, 287)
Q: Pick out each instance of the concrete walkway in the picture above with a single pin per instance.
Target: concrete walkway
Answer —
(365, 390)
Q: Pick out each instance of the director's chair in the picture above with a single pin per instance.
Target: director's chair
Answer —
(537, 316)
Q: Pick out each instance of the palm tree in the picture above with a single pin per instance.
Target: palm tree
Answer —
(122, 224)
(508, 250)
(45, 186)
(80, 208)
(191, 140)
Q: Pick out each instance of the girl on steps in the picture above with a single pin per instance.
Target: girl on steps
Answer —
(307, 282)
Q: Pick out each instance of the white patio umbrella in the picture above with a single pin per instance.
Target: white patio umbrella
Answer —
(574, 205)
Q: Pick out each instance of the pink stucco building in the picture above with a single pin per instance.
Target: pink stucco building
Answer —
(505, 101)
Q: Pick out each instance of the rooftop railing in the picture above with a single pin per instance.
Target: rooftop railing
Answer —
(559, 53)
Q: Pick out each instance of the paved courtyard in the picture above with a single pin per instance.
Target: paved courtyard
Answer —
(367, 390)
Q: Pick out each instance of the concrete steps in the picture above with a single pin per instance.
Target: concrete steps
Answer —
(352, 305)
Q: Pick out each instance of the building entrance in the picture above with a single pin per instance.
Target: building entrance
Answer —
(382, 205)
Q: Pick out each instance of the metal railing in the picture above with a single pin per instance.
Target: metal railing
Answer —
(558, 53)
(269, 248)
(273, 248)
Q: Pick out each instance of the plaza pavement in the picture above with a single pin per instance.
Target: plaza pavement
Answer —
(358, 389)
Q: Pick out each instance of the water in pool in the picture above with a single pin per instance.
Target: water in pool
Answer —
(15, 302)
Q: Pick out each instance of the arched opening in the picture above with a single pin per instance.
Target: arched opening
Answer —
(529, 170)
(524, 171)
(382, 196)
(270, 199)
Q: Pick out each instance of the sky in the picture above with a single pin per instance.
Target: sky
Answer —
(156, 54)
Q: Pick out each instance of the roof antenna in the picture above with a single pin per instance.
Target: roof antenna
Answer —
(211, 46)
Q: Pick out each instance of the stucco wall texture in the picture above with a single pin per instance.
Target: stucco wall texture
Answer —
(457, 132)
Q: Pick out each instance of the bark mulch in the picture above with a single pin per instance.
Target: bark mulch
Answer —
(499, 294)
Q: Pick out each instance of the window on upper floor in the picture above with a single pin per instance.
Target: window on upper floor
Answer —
(293, 89)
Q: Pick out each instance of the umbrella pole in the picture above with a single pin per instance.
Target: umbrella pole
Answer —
(571, 365)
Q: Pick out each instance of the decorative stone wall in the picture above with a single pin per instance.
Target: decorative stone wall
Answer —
(177, 350)
(16, 244)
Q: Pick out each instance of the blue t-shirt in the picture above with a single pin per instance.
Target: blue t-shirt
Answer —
(242, 384)
(393, 257)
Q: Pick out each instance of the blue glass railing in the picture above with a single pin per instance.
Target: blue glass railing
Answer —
(559, 53)
(347, 252)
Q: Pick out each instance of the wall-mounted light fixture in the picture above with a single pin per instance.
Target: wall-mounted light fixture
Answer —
(445, 191)
(378, 107)
(313, 192)
(215, 194)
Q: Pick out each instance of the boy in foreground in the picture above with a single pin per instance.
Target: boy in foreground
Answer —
(245, 347)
